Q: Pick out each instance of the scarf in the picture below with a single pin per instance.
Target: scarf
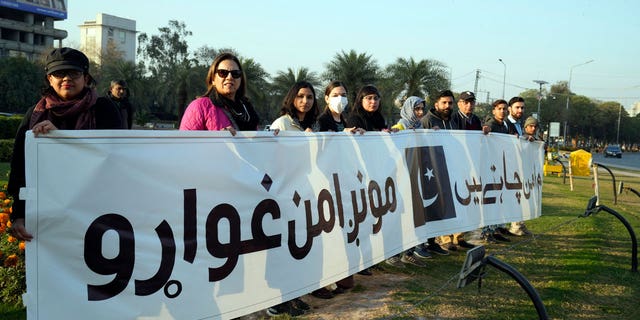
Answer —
(75, 114)
(240, 112)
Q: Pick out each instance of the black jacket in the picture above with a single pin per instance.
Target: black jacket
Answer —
(432, 119)
(500, 127)
(106, 116)
(326, 123)
(460, 122)
(125, 108)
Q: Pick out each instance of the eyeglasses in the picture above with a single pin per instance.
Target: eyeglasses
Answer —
(222, 73)
(61, 74)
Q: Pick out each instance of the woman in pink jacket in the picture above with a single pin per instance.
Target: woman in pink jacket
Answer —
(224, 105)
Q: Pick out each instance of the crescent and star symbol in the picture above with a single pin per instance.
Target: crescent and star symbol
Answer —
(430, 201)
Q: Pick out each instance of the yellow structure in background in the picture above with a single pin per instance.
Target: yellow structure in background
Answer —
(580, 161)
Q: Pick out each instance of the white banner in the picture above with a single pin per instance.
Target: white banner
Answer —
(201, 225)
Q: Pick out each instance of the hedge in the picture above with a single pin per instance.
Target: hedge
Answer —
(6, 149)
(9, 126)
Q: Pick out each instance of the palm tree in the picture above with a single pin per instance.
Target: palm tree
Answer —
(257, 88)
(284, 80)
(355, 70)
(417, 78)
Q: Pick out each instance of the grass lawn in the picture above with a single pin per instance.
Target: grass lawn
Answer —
(581, 267)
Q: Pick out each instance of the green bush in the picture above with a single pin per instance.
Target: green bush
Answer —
(6, 150)
(9, 126)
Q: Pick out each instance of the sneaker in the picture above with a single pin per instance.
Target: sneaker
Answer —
(421, 252)
(366, 272)
(322, 293)
(410, 259)
(435, 248)
(465, 244)
(525, 230)
(450, 246)
(489, 238)
(284, 308)
(395, 262)
(500, 237)
(299, 304)
(338, 291)
(517, 232)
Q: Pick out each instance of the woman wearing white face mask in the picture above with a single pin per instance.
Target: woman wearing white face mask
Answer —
(332, 119)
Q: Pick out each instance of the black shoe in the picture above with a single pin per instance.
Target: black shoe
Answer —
(338, 290)
(501, 238)
(421, 252)
(299, 304)
(322, 293)
(435, 248)
(450, 246)
(284, 308)
(489, 238)
(465, 244)
(504, 231)
(366, 272)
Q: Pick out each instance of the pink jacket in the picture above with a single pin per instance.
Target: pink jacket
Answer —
(201, 114)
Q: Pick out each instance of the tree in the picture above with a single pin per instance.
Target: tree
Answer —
(417, 78)
(21, 82)
(257, 88)
(284, 80)
(353, 69)
(168, 61)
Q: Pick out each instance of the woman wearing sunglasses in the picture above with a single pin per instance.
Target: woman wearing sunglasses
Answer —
(69, 102)
(224, 105)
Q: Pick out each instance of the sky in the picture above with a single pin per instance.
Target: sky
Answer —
(536, 40)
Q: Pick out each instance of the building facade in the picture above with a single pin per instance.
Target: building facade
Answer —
(108, 32)
(26, 27)
(635, 110)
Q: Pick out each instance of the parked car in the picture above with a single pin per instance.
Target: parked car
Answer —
(613, 151)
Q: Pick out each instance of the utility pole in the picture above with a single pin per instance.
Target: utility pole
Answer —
(618, 134)
(475, 87)
(504, 76)
(564, 139)
(540, 82)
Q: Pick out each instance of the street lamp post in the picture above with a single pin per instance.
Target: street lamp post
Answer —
(569, 96)
(618, 134)
(504, 76)
(540, 82)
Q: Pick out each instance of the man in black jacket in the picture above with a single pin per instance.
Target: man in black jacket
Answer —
(119, 94)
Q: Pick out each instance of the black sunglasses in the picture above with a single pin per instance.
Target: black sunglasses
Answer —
(222, 73)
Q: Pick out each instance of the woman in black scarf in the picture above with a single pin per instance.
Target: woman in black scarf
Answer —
(69, 102)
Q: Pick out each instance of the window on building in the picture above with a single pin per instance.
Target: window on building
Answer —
(122, 36)
(110, 32)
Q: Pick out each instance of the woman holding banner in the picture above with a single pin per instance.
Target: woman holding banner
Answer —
(224, 106)
(299, 109)
(298, 113)
(69, 102)
(366, 111)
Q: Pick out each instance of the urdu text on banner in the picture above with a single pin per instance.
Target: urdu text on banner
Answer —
(202, 225)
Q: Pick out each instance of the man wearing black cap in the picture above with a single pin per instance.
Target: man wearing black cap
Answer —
(464, 118)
